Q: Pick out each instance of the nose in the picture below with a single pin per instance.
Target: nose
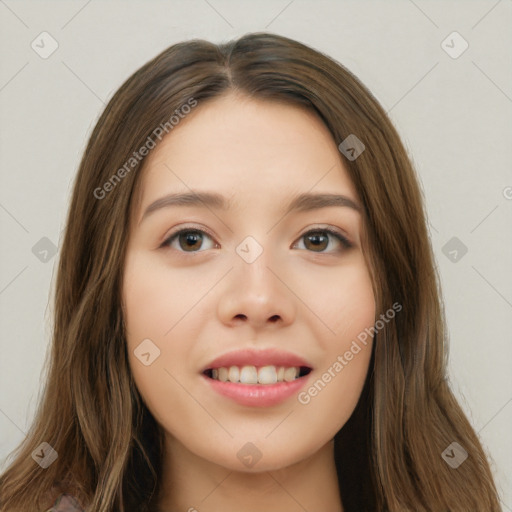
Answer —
(257, 294)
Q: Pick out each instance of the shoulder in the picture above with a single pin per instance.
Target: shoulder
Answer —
(65, 503)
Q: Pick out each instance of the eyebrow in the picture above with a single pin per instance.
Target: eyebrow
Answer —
(300, 203)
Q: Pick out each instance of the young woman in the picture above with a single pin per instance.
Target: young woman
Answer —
(247, 311)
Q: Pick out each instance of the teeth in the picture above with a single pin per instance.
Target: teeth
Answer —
(252, 375)
(290, 374)
(234, 374)
(248, 375)
(223, 374)
(267, 375)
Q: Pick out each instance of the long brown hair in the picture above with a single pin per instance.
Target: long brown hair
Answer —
(388, 455)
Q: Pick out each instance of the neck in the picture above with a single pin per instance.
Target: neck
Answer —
(190, 483)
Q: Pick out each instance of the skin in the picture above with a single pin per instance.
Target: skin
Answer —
(198, 304)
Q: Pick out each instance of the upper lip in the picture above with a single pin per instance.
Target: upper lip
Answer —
(253, 357)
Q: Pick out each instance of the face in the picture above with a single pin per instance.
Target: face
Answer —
(253, 284)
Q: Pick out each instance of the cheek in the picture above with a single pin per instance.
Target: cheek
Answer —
(348, 309)
(342, 299)
(330, 398)
(163, 312)
(150, 305)
(156, 298)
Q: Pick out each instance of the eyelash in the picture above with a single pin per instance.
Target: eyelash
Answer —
(167, 242)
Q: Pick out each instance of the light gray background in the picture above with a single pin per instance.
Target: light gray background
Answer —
(454, 116)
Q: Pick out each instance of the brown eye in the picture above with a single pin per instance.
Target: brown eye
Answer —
(319, 239)
(188, 240)
(316, 241)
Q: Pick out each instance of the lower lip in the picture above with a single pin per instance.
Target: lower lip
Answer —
(258, 395)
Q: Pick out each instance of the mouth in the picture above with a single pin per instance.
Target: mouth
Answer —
(257, 378)
(254, 375)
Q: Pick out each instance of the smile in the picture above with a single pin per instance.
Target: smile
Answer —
(264, 375)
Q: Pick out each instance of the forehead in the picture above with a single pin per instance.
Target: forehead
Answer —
(246, 149)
